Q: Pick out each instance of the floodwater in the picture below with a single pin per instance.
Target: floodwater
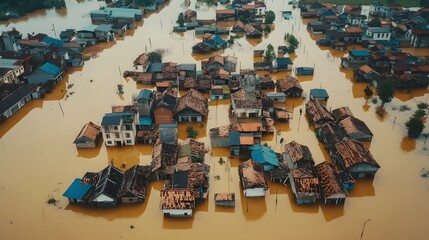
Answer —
(38, 159)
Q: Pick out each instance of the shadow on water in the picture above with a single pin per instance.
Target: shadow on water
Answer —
(177, 223)
(9, 123)
(332, 211)
(90, 152)
(363, 188)
(408, 144)
(253, 207)
(305, 208)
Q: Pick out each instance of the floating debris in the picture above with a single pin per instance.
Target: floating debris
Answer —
(424, 173)
(52, 201)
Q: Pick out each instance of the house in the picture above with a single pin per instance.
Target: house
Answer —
(341, 113)
(262, 66)
(164, 157)
(356, 129)
(212, 44)
(168, 133)
(419, 37)
(48, 72)
(144, 103)
(192, 149)
(190, 16)
(375, 8)
(13, 97)
(219, 136)
(135, 184)
(146, 78)
(252, 31)
(297, 156)
(191, 107)
(163, 108)
(305, 185)
(304, 71)
(119, 129)
(108, 187)
(277, 97)
(266, 82)
(78, 192)
(258, 53)
(330, 134)
(201, 83)
(88, 136)
(264, 156)
(352, 156)
(252, 178)
(353, 35)
(147, 134)
(226, 15)
(282, 114)
(279, 175)
(356, 58)
(290, 86)
(99, 33)
(142, 62)
(282, 64)
(217, 62)
(357, 20)
(319, 94)
(128, 16)
(331, 184)
(187, 69)
(11, 70)
(177, 202)
(8, 42)
(245, 104)
(366, 74)
(219, 92)
(379, 33)
(224, 199)
(317, 113)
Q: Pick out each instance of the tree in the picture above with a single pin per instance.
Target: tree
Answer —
(269, 54)
(181, 20)
(415, 127)
(368, 91)
(155, 57)
(385, 92)
(424, 3)
(244, 19)
(267, 28)
(292, 41)
(270, 16)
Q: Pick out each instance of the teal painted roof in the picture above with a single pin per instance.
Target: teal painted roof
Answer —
(77, 190)
(319, 93)
(359, 53)
(262, 154)
(50, 68)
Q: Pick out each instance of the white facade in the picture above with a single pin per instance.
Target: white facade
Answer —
(247, 113)
(14, 71)
(254, 192)
(119, 135)
(8, 113)
(260, 10)
(379, 34)
(177, 212)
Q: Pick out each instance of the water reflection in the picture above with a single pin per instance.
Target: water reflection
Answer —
(90, 152)
(253, 208)
(331, 212)
(363, 188)
(177, 223)
(408, 144)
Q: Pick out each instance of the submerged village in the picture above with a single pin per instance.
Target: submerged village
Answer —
(176, 96)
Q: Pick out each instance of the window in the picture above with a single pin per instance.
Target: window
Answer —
(107, 135)
(115, 127)
(109, 142)
(127, 135)
(128, 127)
(117, 135)
(129, 141)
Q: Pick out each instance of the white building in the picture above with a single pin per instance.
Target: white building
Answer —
(252, 179)
(119, 129)
(10, 70)
(379, 33)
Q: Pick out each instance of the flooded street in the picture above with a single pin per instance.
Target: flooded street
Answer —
(38, 159)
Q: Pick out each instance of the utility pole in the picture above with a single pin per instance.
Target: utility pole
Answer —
(53, 29)
(363, 228)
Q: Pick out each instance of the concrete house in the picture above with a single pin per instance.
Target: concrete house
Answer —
(419, 37)
(89, 136)
(354, 157)
(177, 202)
(297, 156)
(119, 129)
(97, 33)
(356, 58)
(245, 104)
(252, 179)
(379, 33)
(10, 70)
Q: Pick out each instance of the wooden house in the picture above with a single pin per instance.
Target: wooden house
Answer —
(163, 108)
(13, 97)
(177, 202)
(219, 92)
(191, 107)
(365, 73)
(279, 175)
(282, 114)
(164, 157)
(219, 136)
(290, 86)
(354, 157)
(341, 113)
(331, 184)
(305, 185)
(252, 179)
(252, 31)
(282, 64)
(146, 78)
(224, 199)
(356, 129)
(88, 136)
(226, 15)
(142, 62)
(353, 35)
(330, 134)
(266, 82)
(317, 113)
(136, 181)
(297, 156)
(108, 188)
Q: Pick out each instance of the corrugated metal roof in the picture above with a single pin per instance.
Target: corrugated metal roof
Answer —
(77, 190)
(262, 154)
(319, 93)
(50, 68)
(234, 138)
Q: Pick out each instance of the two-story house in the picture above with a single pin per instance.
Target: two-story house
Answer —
(119, 128)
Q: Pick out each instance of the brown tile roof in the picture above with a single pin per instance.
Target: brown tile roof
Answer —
(225, 11)
(193, 100)
(149, 133)
(244, 99)
(163, 155)
(353, 125)
(306, 182)
(318, 113)
(298, 152)
(342, 112)
(248, 6)
(136, 181)
(330, 181)
(190, 82)
(222, 131)
(332, 134)
(142, 59)
(282, 114)
(177, 199)
(354, 30)
(252, 175)
(420, 68)
(353, 152)
(90, 131)
(288, 82)
(191, 147)
(217, 59)
(220, 197)
(366, 69)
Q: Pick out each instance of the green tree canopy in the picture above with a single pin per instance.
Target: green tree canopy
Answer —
(292, 41)
(385, 92)
(270, 16)
(415, 127)
(181, 20)
(269, 54)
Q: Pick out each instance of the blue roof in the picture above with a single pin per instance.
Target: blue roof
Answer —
(218, 39)
(284, 61)
(359, 53)
(155, 67)
(77, 190)
(145, 121)
(114, 118)
(234, 138)
(380, 30)
(50, 68)
(319, 93)
(53, 41)
(145, 94)
(262, 155)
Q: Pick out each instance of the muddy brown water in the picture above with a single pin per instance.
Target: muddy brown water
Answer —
(38, 159)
